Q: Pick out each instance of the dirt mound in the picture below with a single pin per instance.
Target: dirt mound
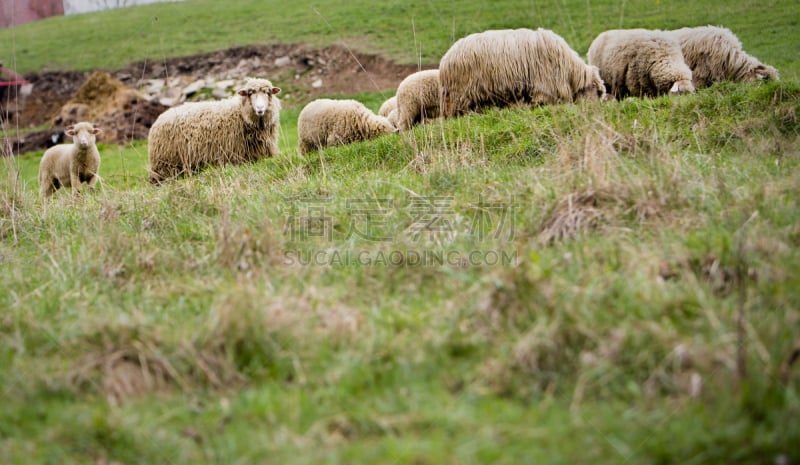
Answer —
(51, 90)
(304, 73)
(123, 113)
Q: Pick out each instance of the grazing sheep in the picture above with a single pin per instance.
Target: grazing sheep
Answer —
(418, 98)
(68, 165)
(641, 63)
(502, 67)
(387, 107)
(715, 54)
(240, 129)
(326, 122)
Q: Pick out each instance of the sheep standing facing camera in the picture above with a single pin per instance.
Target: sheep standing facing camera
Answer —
(69, 165)
(504, 67)
(640, 62)
(326, 122)
(240, 129)
(715, 54)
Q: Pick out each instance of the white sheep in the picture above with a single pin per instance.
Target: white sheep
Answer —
(326, 122)
(640, 62)
(503, 67)
(417, 99)
(715, 54)
(68, 165)
(387, 106)
(241, 129)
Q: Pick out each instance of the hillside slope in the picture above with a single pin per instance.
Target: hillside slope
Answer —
(595, 283)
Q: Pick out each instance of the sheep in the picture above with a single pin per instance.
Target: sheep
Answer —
(715, 54)
(326, 122)
(240, 129)
(640, 62)
(387, 107)
(501, 67)
(417, 98)
(68, 165)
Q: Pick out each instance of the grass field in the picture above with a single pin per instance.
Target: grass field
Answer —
(595, 283)
(407, 31)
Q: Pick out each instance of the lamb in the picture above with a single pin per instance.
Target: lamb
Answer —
(241, 129)
(418, 98)
(387, 107)
(389, 110)
(715, 54)
(502, 67)
(68, 165)
(326, 122)
(640, 62)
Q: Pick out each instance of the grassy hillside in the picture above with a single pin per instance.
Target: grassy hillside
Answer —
(603, 271)
(595, 283)
(408, 31)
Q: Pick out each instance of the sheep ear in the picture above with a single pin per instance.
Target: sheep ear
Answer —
(242, 92)
(70, 131)
(96, 131)
(275, 90)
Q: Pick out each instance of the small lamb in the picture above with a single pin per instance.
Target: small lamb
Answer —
(71, 164)
(325, 122)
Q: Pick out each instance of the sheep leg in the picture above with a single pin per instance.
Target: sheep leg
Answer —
(75, 180)
(92, 182)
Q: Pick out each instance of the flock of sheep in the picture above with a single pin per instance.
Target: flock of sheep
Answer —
(491, 68)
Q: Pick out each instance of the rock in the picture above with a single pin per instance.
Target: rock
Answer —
(168, 102)
(317, 84)
(219, 93)
(226, 84)
(193, 88)
(282, 61)
(154, 86)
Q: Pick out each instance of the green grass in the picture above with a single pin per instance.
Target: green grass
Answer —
(178, 325)
(653, 246)
(408, 31)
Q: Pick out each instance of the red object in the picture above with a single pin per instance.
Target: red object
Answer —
(23, 11)
(13, 83)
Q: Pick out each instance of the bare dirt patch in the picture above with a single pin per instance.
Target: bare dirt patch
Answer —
(302, 72)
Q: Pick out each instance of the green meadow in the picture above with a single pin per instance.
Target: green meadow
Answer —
(594, 283)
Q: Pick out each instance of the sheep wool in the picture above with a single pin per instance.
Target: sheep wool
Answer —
(326, 122)
(387, 107)
(503, 67)
(418, 98)
(640, 63)
(240, 129)
(715, 54)
(69, 165)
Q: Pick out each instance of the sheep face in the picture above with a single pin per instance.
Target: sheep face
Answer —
(83, 134)
(596, 90)
(763, 73)
(682, 87)
(259, 99)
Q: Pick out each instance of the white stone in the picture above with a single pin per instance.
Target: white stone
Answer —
(194, 87)
(317, 84)
(282, 61)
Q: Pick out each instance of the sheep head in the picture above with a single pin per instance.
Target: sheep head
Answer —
(683, 86)
(764, 73)
(83, 134)
(257, 94)
(594, 90)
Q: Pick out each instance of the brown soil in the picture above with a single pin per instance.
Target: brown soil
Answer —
(125, 117)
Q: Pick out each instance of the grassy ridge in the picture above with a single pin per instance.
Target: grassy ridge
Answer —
(278, 312)
(407, 31)
(180, 325)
